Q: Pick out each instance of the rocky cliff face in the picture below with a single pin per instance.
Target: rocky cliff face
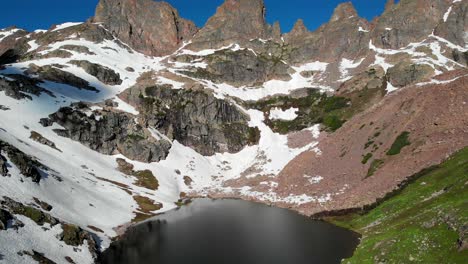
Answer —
(455, 24)
(234, 21)
(194, 118)
(109, 133)
(111, 121)
(403, 23)
(154, 28)
(344, 36)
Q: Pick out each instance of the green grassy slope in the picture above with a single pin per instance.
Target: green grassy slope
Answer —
(421, 224)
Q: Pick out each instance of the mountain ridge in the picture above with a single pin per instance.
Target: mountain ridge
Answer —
(121, 124)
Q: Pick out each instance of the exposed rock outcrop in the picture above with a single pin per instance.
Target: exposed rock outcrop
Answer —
(455, 27)
(36, 215)
(54, 74)
(5, 216)
(344, 36)
(110, 133)
(102, 73)
(406, 73)
(408, 21)
(12, 44)
(20, 87)
(3, 166)
(241, 68)
(154, 28)
(235, 21)
(42, 140)
(194, 118)
(26, 164)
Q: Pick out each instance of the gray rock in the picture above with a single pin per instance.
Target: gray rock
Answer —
(21, 88)
(54, 74)
(110, 133)
(5, 216)
(456, 26)
(407, 22)
(194, 118)
(26, 164)
(460, 57)
(77, 48)
(241, 68)
(102, 73)
(406, 73)
(3, 166)
(336, 39)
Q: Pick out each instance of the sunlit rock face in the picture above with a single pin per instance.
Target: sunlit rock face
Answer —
(154, 28)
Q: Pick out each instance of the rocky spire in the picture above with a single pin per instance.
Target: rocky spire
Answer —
(276, 31)
(235, 20)
(389, 5)
(344, 11)
(299, 28)
(154, 28)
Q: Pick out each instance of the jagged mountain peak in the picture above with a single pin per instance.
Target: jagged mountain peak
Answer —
(234, 20)
(299, 27)
(389, 5)
(154, 28)
(232, 106)
(344, 11)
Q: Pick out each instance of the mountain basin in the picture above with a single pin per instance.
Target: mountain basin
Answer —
(231, 231)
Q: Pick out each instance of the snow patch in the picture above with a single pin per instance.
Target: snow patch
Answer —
(346, 65)
(6, 33)
(66, 25)
(446, 15)
(125, 107)
(362, 30)
(288, 114)
(33, 45)
(313, 180)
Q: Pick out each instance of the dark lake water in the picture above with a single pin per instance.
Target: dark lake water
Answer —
(232, 231)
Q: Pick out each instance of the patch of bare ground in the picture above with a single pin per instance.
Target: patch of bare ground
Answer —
(144, 178)
(436, 117)
(300, 139)
(146, 207)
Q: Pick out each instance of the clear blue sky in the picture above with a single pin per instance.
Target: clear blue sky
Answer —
(41, 14)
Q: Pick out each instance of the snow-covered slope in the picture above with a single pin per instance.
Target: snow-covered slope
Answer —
(90, 189)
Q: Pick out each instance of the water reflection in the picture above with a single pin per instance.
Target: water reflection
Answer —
(232, 231)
